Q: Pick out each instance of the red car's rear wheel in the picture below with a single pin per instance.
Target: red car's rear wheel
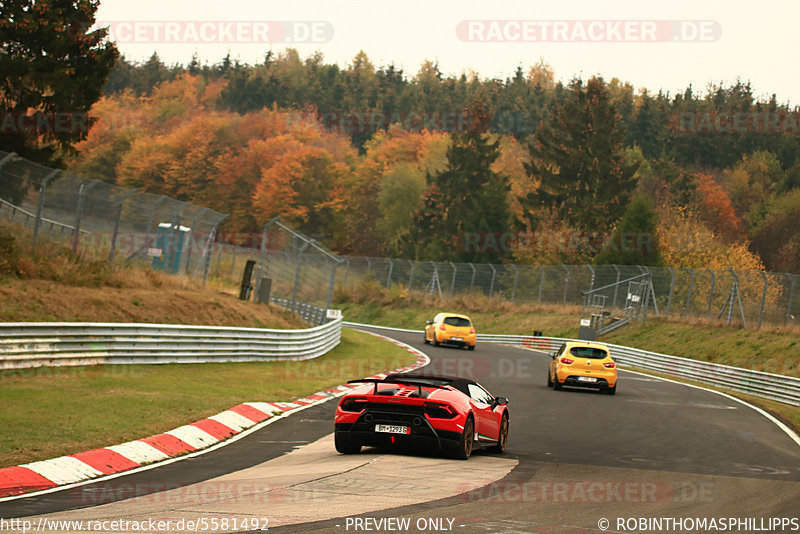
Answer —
(464, 449)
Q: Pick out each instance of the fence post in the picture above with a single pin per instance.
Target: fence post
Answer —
(262, 255)
(472, 282)
(297, 271)
(689, 296)
(671, 289)
(514, 290)
(40, 205)
(566, 283)
(212, 236)
(491, 285)
(711, 293)
(791, 297)
(389, 277)
(541, 285)
(591, 282)
(117, 223)
(616, 288)
(76, 228)
(235, 250)
(192, 237)
(763, 299)
(346, 272)
(330, 287)
(369, 265)
(453, 279)
(410, 275)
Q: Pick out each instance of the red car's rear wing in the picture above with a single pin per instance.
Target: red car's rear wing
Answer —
(420, 383)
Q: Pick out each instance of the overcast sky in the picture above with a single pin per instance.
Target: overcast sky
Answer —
(721, 40)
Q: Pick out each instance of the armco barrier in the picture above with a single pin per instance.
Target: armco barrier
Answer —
(781, 388)
(26, 345)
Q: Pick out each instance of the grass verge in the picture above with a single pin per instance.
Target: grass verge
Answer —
(53, 412)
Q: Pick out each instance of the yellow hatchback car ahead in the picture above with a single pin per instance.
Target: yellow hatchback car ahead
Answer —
(451, 328)
(583, 364)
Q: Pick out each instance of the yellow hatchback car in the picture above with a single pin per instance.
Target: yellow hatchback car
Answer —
(583, 364)
(451, 328)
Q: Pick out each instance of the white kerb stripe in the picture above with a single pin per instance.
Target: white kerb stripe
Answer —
(262, 407)
(233, 420)
(283, 406)
(199, 439)
(139, 452)
(64, 470)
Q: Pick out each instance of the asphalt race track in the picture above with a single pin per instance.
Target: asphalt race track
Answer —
(575, 459)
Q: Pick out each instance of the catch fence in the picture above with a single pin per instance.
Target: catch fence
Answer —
(104, 221)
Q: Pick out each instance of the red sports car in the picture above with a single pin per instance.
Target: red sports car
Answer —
(452, 415)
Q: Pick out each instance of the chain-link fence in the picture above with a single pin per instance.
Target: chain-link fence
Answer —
(300, 269)
(103, 221)
(745, 298)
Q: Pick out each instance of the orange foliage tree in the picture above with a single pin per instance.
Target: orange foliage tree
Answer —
(715, 207)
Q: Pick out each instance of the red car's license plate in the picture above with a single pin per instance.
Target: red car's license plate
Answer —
(587, 379)
(393, 429)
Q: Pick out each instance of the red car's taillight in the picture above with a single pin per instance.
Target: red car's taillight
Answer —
(566, 360)
(610, 365)
(439, 411)
(353, 404)
(471, 330)
(442, 327)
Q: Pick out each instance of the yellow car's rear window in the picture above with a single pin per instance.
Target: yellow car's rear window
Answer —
(588, 352)
(456, 321)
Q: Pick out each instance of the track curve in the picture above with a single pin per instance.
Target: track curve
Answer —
(655, 449)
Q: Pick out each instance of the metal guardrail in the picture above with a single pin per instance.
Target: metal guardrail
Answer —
(27, 345)
(781, 388)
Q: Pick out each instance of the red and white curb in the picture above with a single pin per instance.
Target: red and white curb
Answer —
(188, 440)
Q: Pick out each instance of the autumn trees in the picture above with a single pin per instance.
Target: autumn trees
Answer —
(362, 156)
(52, 69)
